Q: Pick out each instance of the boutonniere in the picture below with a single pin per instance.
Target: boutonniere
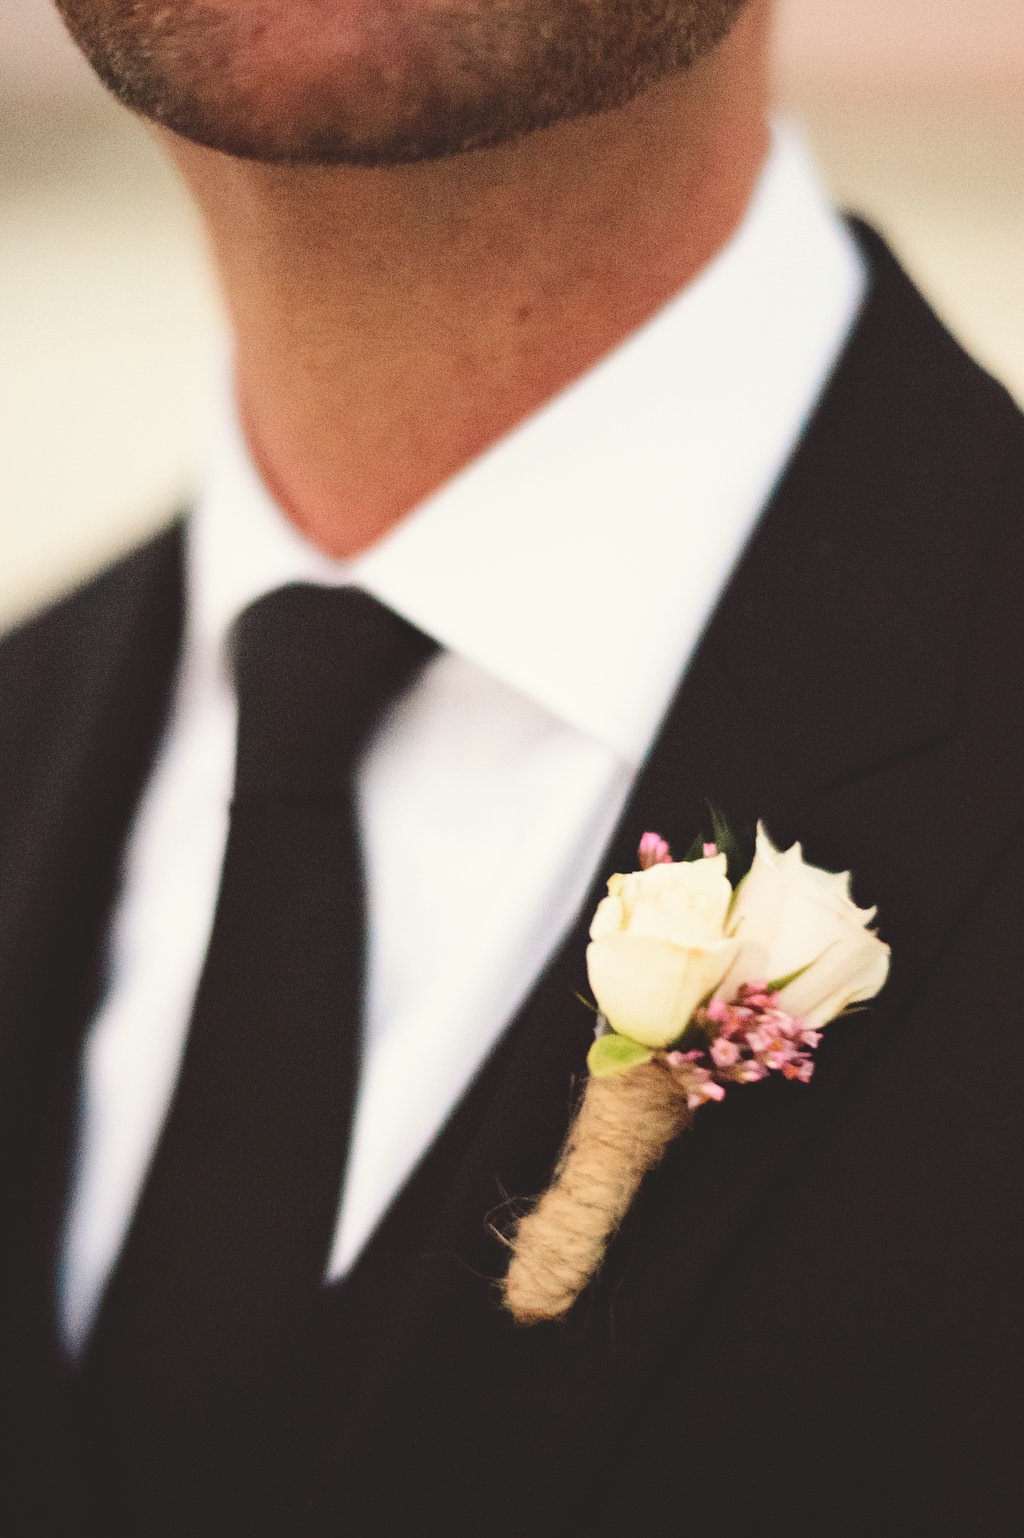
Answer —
(702, 984)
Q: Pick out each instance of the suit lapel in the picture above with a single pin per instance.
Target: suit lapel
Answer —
(823, 699)
(94, 680)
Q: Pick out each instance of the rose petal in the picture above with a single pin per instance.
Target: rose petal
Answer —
(649, 988)
(850, 972)
(686, 903)
(789, 916)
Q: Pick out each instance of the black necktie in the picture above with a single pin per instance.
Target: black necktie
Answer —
(233, 1229)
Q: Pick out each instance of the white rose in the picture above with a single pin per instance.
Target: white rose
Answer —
(659, 947)
(789, 915)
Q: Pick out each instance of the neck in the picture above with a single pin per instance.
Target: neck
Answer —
(391, 324)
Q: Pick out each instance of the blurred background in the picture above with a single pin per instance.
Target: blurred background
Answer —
(110, 329)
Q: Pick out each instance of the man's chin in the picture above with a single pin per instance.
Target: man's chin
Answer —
(333, 132)
(339, 136)
(387, 83)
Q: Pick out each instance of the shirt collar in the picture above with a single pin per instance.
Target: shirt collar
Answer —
(579, 558)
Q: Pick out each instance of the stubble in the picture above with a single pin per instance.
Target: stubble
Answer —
(382, 82)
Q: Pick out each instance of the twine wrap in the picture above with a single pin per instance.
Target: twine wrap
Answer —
(622, 1130)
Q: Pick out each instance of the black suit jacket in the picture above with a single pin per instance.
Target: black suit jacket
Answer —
(811, 1320)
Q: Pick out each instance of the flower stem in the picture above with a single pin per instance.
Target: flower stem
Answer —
(621, 1131)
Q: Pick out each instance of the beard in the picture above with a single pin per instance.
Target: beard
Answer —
(383, 82)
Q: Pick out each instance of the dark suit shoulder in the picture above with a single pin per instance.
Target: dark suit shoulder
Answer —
(56, 655)
(80, 668)
(926, 364)
(963, 435)
(48, 650)
(941, 440)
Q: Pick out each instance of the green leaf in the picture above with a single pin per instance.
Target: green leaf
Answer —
(720, 829)
(736, 844)
(616, 1054)
(790, 977)
(696, 850)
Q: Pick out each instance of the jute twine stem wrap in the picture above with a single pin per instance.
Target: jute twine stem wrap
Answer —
(622, 1130)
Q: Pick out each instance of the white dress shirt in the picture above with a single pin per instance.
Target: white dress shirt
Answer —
(568, 574)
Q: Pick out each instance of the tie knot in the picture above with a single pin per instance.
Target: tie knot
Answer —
(315, 670)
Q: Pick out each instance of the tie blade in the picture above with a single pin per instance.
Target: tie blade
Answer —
(316, 671)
